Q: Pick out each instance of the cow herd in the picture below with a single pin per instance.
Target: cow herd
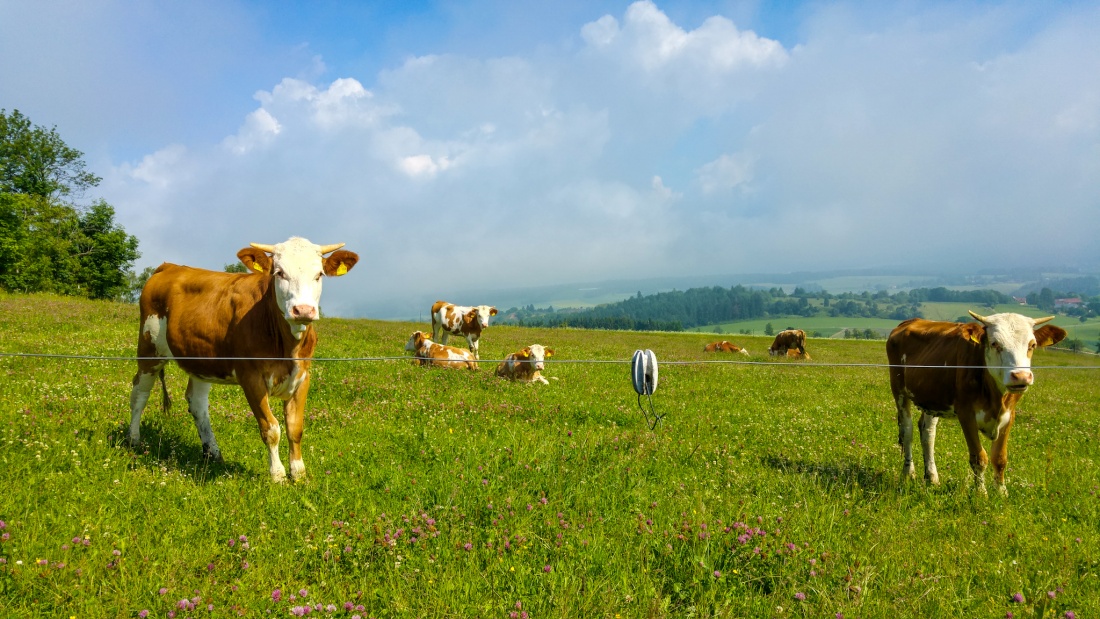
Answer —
(256, 330)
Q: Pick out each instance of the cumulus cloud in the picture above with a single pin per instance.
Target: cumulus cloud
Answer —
(707, 148)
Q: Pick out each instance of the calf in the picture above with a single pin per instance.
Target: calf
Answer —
(975, 371)
(448, 319)
(427, 352)
(253, 329)
(724, 346)
(526, 365)
(786, 340)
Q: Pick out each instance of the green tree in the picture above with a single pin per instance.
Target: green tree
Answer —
(769, 329)
(236, 267)
(47, 242)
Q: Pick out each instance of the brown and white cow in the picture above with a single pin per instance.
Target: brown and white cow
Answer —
(724, 346)
(975, 371)
(788, 339)
(450, 319)
(251, 329)
(427, 352)
(526, 365)
(792, 353)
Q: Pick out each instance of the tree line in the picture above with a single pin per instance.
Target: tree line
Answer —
(50, 242)
(679, 310)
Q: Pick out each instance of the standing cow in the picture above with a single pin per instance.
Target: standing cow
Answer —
(786, 340)
(252, 329)
(975, 371)
(450, 319)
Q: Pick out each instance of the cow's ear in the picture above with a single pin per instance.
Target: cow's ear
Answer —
(525, 353)
(340, 262)
(492, 311)
(549, 352)
(255, 260)
(1048, 335)
(973, 331)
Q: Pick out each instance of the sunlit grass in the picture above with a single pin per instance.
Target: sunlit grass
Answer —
(768, 490)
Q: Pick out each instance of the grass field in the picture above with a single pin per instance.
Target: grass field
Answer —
(768, 490)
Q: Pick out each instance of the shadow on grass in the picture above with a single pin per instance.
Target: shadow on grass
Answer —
(159, 448)
(830, 474)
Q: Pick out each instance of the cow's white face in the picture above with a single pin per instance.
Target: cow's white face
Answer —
(415, 341)
(297, 271)
(1010, 344)
(482, 314)
(538, 354)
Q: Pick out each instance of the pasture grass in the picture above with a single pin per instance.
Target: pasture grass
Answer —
(767, 490)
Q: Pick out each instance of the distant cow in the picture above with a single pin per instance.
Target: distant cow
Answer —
(427, 352)
(450, 319)
(526, 365)
(792, 353)
(253, 329)
(724, 346)
(788, 339)
(975, 371)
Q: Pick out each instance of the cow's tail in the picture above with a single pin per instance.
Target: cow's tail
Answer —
(165, 400)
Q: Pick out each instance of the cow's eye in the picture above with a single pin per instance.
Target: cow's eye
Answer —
(279, 273)
(997, 347)
(319, 276)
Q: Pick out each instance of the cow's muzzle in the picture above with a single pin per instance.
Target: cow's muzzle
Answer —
(303, 314)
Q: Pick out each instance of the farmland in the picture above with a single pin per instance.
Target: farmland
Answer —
(769, 489)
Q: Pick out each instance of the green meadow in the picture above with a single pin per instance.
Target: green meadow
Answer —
(769, 489)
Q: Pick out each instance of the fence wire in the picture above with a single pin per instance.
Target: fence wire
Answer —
(801, 364)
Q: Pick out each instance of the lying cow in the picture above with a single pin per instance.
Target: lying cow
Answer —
(526, 365)
(792, 353)
(427, 352)
(450, 319)
(724, 346)
(253, 329)
(786, 340)
(975, 371)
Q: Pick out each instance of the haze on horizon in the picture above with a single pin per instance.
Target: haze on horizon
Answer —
(488, 145)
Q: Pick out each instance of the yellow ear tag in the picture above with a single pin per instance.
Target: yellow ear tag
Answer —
(343, 268)
(977, 339)
(256, 265)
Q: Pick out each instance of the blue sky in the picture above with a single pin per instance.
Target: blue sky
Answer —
(487, 145)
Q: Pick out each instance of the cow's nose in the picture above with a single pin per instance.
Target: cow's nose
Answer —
(1021, 377)
(303, 313)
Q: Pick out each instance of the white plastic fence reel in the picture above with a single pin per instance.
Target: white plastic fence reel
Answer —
(643, 372)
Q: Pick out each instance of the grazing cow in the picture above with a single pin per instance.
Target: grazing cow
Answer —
(460, 320)
(724, 346)
(427, 352)
(988, 369)
(526, 365)
(788, 339)
(250, 329)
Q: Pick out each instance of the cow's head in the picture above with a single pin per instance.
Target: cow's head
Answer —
(480, 314)
(416, 341)
(296, 267)
(535, 354)
(1009, 341)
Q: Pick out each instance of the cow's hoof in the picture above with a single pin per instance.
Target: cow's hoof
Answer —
(297, 470)
(214, 455)
(1002, 490)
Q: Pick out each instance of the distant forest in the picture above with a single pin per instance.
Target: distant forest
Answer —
(680, 310)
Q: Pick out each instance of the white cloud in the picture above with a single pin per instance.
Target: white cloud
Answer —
(689, 145)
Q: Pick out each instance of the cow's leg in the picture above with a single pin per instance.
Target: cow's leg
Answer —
(443, 337)
(295, 409)
(978, 458)
(999, 456)
(472, 342)
(927, 424)
(143, 382)
(256, 394)
(905, 436)
(198, 402)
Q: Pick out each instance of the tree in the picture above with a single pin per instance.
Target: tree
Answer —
(36, 161)
(768, 329)
(236, 267)
(47, 242)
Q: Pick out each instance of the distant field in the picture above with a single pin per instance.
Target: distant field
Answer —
(1088, 332)
(770, 489)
